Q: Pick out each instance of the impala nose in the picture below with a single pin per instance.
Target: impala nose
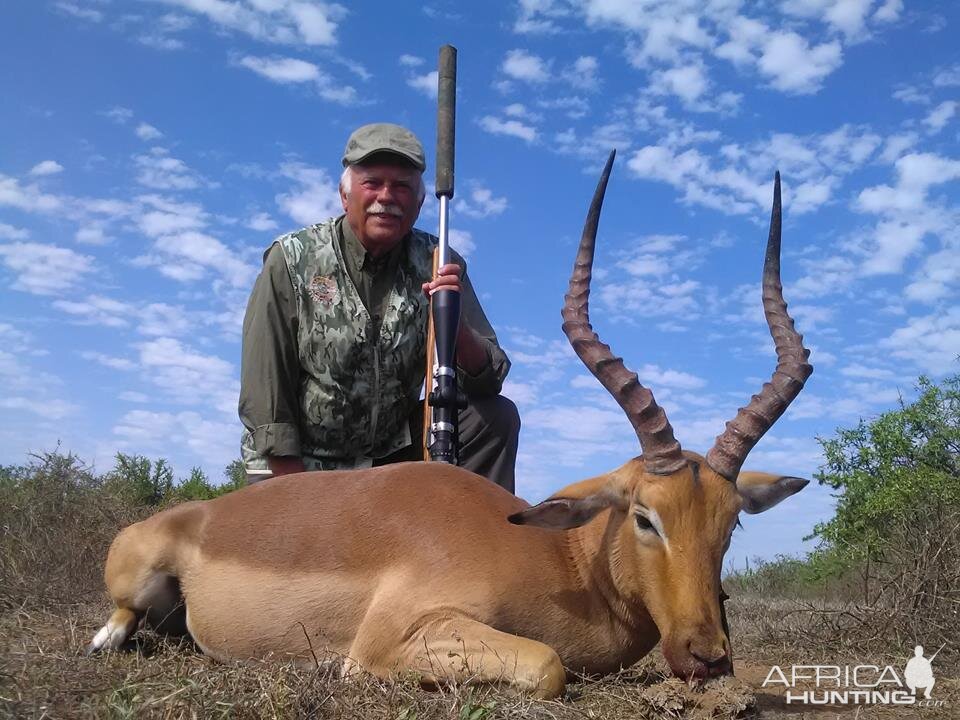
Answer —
(717, 661)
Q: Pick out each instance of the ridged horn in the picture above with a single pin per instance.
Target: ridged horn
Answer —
(743, 432)
(661, 451)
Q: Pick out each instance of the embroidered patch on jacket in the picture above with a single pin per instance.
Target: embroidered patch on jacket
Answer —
(323, 289)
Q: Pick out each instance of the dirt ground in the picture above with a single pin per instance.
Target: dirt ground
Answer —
(44, 675)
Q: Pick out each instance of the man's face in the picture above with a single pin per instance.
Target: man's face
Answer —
(383, 202)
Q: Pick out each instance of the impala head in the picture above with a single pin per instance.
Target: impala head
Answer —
(670, 513)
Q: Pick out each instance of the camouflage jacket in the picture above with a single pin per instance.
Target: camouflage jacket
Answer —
(355, 392)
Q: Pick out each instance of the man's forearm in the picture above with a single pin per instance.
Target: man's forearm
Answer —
(472, 353)
(285, 464)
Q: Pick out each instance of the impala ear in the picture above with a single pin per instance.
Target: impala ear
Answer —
(564, 513)
(761, 491)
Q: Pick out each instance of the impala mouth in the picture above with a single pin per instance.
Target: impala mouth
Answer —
(689, 665)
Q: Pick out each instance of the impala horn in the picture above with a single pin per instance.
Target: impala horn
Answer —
(661, 451)
(732, 446)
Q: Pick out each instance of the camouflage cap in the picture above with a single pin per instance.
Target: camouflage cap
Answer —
(384, 137)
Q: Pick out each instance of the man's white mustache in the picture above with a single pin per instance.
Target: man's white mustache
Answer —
(377, 209)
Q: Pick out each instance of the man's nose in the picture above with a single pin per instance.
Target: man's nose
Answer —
(385, 194)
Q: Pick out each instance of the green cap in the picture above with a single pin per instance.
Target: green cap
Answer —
(384, 138)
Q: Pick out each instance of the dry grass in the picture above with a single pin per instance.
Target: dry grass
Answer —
(45, 675)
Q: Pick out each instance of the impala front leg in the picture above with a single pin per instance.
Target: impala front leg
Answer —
(463, 650)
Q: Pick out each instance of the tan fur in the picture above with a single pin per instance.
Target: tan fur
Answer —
(393, 569)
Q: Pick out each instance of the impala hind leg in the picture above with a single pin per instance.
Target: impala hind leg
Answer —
(140, 582)
(464, 650)
(114, 634)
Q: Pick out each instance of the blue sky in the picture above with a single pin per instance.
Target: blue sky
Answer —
(152, 150)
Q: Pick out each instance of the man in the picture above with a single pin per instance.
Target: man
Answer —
(334, 335)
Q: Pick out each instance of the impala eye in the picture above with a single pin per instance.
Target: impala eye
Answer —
(643, 522)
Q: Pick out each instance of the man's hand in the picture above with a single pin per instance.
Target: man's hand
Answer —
(471, 353)
(285, 464)
(448, 278)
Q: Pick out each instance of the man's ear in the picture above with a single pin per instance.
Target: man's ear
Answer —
(761, 491)
(343, 198)
(564, 513)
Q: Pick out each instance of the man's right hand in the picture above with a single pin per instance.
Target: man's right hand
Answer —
(285, 464)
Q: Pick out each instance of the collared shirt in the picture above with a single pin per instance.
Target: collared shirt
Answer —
(372, 276)
(270, 365)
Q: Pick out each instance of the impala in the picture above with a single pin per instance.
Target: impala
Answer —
(425, 568)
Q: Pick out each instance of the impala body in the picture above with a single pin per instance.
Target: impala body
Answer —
(427, 568)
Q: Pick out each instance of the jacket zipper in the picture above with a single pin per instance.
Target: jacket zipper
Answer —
(375, 404)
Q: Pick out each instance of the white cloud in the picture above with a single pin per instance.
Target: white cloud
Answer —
(583, 73)
(480, 202)
(119, 114)
(869, 373)
(411, 61)
(261, 222)
(688, 82)
(189, 377)
(745, 34)
(521, 65)
(846, 16)
(47, 167)
(795, 67)
(572, 106)
(9, 232)
(538, 16)
(941, 115)
(656, 377)
(513, 128)
(278, 21)
(82, 13)
(287, 70)
(889, 11)
(45, 269)
(145, 131)
(213, 442)
(816, 162)
(47, 408)
(91, 235)
(947, 77)
(316, 198)
(938, 278)
(161, 171)
(897, 145)
(907, 216)
(28, 198)
(462, 241)
(98, 310)
(282, 69)
(162, 216)
(160, 319)
(189, 255)
(911, 94)
(114, 363)
(932, 342)
(158, 32)
(426, 84)
(134, 397)
(666, 35)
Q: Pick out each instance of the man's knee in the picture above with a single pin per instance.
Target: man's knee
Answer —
(500, 415)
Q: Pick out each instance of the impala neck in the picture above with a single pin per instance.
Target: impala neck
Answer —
(595, 551)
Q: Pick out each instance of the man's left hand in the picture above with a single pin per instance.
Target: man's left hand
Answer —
(448, 278)
(472, 355)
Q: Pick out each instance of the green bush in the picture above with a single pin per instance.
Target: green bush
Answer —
(902, 469)
(57, 519)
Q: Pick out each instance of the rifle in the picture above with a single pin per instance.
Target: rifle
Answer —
(441, 427)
